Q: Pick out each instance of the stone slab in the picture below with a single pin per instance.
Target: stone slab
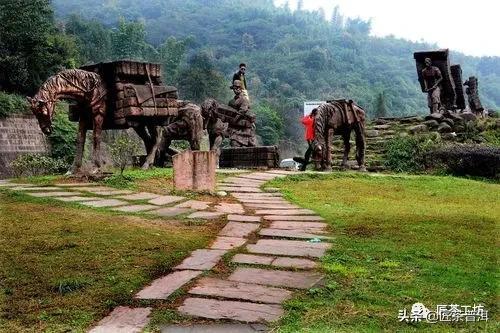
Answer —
(135, 208)
(194, 204)
(104, 203)
(262, 195)
(283, 172)
(243, 218)
(313, 227)
(170, 211)
(284, 212)
(227, 243)
(261, 176)
(215, 328)
(163, 287)
(206, 215)
(51, 194)
(270, 206)
(293, 218)
(268, 201)
(166, 200)
(35, 188)
(92, 188)
(239, 189)
(242, 182)
(241, 291)
(299, 280)
(230, 208)
(77, 198)
(124, 320)
(285, 262)
(76, 184)
(202, 260)
(110, 192)
(139, 196)
(238, 229)
(8, 184)
(289, 248)
(232, 310)
(290, 234)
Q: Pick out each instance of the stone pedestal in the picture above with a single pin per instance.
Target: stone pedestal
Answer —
(195, 170)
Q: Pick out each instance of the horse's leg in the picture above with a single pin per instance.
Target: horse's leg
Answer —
(346, 136)
(146, 138)
(80, 146)
(96, 153)
(360, 146)
(150, 159)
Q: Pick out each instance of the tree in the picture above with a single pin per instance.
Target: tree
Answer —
(122, 150)
(171, 54)
(380, 106)
(269, 125)
(129, 41)
(31, 47)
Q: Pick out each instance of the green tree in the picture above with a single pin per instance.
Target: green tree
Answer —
(129, 42)
(269, 124)
(171, 54)
(380, 106)
(31, 48)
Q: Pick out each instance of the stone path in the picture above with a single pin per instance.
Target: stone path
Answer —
(275, 249)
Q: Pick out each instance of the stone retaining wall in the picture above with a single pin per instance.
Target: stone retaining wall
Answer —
(19, 135)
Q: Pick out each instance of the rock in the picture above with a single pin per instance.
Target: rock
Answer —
(448, 121)
(410, 120)
(453, 116)
(444, 128)
(431, 123)
(434, 116)
(380, 121)
(468, 116)
(381, 127)
(418, 129)
(371, 133)
(222, 193)
(448, 136)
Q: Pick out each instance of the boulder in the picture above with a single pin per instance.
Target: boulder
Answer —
(453, 116)
(444, 128)
(410, 120)
(382, 127)
(448, 121)
(418, 129)
(468, 116)
(431, 124)
(434, 116)
(371, 133)
(380, 121)
(448, 136)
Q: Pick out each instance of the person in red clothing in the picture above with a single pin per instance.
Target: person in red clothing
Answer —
(308, 122)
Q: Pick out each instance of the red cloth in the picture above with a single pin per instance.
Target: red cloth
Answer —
(308, 123)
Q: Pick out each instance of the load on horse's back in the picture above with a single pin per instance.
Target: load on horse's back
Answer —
(341, 116)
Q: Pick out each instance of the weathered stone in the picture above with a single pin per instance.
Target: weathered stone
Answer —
(215, 328)
(434, 116)
(240, 290)
(382, 127)
(110, 192)
(448, 121)
(288, 247)
(468, 116)
(236, 229)
(271, 206)
(293, 218)
(35, 188)
(444, 128)
(77, 199)
(290, 234)
(104, 203)
(195, 170)
(240, 311)
(299, 280)
(371, 133)
(163, 287)
(229, 208)
(76, 184)
(170, 211)
(263, 195)
(268, 201)
(261, 176)
(92, 188)
(140, 196)
(239, 189)
(165, 200)
(244, 218)
(299, 226)
(432, 124)
(202, 260)
(135, 208)
(283, 212)
(285, 262)
(206, 215)
(124, 320)
(194, 204)
(227, 243)
(418, 129)
(52, 194)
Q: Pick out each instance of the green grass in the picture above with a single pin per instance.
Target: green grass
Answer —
(62, 268)
(398, 241)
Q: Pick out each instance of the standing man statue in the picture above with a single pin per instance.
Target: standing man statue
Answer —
(432, 82)
(240, 76)
(242, 127)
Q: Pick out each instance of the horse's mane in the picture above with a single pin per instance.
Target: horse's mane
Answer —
(83, 80)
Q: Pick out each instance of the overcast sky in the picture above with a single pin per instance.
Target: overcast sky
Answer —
(471, 27)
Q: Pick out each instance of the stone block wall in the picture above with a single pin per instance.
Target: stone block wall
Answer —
(19, 135)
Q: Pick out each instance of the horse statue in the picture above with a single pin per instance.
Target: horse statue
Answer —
(342, 117)
(89, 90)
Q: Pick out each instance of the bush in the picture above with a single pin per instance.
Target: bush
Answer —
(37, 165)
(63, 137)
(466, 160)
(122, 150)
(12, 104)
(407, 153)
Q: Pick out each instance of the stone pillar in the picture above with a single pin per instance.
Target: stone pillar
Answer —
(195, 170)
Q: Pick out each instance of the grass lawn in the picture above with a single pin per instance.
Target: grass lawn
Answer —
(398, 241)
(63, 267)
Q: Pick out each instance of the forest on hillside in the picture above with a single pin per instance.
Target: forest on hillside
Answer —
(292, 56)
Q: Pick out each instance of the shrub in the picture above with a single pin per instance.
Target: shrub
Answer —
(407, 153)
(63, 137)
(466, 160)
(12, 104)
(122, 150)
(37, 165)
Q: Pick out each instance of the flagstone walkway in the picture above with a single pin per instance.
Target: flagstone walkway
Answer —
(282, 256)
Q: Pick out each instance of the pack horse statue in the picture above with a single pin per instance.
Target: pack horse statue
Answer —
(119, 95)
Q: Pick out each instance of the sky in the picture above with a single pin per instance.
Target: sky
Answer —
(471, 27)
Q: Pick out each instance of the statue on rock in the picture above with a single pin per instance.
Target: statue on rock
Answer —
(242, 127)
(472, 92)
(432, 82)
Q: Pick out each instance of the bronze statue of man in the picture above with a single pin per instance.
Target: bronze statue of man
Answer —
(432, 82)
(242, 128)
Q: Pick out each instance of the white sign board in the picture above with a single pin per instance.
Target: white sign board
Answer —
(309, 106)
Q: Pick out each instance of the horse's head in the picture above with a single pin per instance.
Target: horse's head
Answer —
(318, 150)
(43, 110)
(208, 110)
